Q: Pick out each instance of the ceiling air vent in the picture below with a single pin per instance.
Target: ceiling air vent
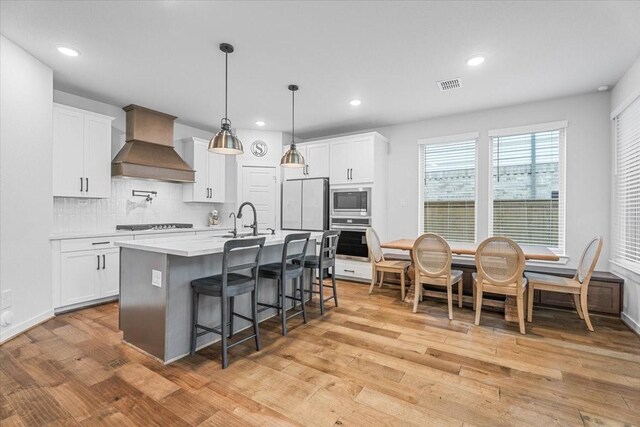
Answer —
(445, 85)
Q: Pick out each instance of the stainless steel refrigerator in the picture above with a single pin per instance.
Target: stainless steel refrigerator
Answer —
(305, 204)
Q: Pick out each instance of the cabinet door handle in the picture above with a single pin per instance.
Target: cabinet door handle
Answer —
(307, 170)
(104, 262)
(210, 193)
(81, 185)
(347, 174)
(351, 174)
(98, 256)
(87, 181)
(101, 243)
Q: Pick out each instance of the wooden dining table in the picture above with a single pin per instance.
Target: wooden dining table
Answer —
(531, 252)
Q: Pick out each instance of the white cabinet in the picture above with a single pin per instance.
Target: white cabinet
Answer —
(81, 153)
(316, 158)
(352, 160)
(89, 275)
(209, 173)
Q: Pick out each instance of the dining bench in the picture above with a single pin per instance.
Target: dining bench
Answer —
(605, 289)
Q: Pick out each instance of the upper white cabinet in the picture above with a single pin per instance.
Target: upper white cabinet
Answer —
(210, 173)
(316, 157)
(354, 158)
(81, 153)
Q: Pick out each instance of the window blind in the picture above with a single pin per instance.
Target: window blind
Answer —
(627, 181)
(527, 187)
(448, 172)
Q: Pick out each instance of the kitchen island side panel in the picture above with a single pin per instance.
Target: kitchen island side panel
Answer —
(143, 305)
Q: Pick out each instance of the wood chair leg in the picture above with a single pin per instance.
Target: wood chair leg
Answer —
(585, 310)
(450, 300)
(460, 293)
(374, 278)
(473, 298)
(381, 279)
(478, 301)
(417, 287)
(402, 290)
(520, 305)
(576, 302)
(531, 291)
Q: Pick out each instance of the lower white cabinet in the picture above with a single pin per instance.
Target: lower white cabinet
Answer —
(89, 275)
(353, 269)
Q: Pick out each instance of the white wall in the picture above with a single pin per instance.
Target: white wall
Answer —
(26, 92)
(626, 90)
(588, 175)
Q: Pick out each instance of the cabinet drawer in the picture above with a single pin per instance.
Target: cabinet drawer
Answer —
(90, 243)
(353, 269)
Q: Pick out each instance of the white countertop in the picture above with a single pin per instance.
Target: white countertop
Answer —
(192, 246)
(109, 233)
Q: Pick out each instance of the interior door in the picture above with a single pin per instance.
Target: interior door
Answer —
(314, 206)
(259, 188)
(292, 205)
(318, 161)
(110, 272)
(80, 276)
(68, 153)
(97, 156)
(216, 178)
(339, 165)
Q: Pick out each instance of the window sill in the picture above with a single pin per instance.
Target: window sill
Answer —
(632, 272)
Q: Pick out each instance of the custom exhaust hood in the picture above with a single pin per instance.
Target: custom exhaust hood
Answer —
(148, 152)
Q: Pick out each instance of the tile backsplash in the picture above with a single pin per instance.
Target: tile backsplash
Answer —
(85, 215)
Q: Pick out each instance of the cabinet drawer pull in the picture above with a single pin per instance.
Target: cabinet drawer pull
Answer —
(87, 182)
(348, 271)
(98, 256)
(81, 185)
(100, 243)
(104, 262)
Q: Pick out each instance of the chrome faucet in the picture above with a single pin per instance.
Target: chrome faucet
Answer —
(235, 227)
(255, 217)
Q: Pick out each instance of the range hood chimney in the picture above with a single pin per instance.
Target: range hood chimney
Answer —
(148, 152)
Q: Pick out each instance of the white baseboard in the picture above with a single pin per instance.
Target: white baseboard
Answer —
(635, 326)
(15, 330)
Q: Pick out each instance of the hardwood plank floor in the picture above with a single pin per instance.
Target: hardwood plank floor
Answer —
(370, 361)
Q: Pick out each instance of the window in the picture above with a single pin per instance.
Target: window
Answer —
(448, 187)
(527, 186)
(627, 182)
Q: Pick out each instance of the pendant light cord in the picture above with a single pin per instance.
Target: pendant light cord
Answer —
(293, 116)
(226, 83)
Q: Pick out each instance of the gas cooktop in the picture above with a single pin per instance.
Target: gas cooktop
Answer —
(142, 227)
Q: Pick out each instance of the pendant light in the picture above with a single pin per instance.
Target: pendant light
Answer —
(225, 142)
(292, 158)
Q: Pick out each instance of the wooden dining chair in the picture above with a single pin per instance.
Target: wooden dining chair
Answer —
(577, 286)
(500, 267)
(380, 265)
(432, 264)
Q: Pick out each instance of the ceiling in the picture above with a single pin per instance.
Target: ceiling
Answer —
(164, 55)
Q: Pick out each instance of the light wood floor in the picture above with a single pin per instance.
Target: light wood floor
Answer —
(369, 362)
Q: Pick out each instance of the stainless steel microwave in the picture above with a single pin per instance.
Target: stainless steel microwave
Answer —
(351, 201)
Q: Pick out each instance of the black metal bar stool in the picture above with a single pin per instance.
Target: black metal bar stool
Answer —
(323, 261)
(291, 267)
(227, 286)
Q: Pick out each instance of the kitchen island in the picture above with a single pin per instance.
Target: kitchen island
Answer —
(155, 290)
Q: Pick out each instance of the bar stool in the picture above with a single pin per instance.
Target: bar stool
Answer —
(291, 267)
(325, 260)
(227, 286)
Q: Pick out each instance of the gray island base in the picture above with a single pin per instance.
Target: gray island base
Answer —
(155, 291)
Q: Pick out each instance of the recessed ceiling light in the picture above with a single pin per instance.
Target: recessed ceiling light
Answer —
(355, 102)
(603, 88)
(68, 51)
(260, 123)
(475, 61)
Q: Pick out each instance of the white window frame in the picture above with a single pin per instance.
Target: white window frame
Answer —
(562, 162)
(447, 139)
(631, 267)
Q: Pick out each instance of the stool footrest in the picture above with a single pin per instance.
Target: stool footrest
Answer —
(241, 341)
